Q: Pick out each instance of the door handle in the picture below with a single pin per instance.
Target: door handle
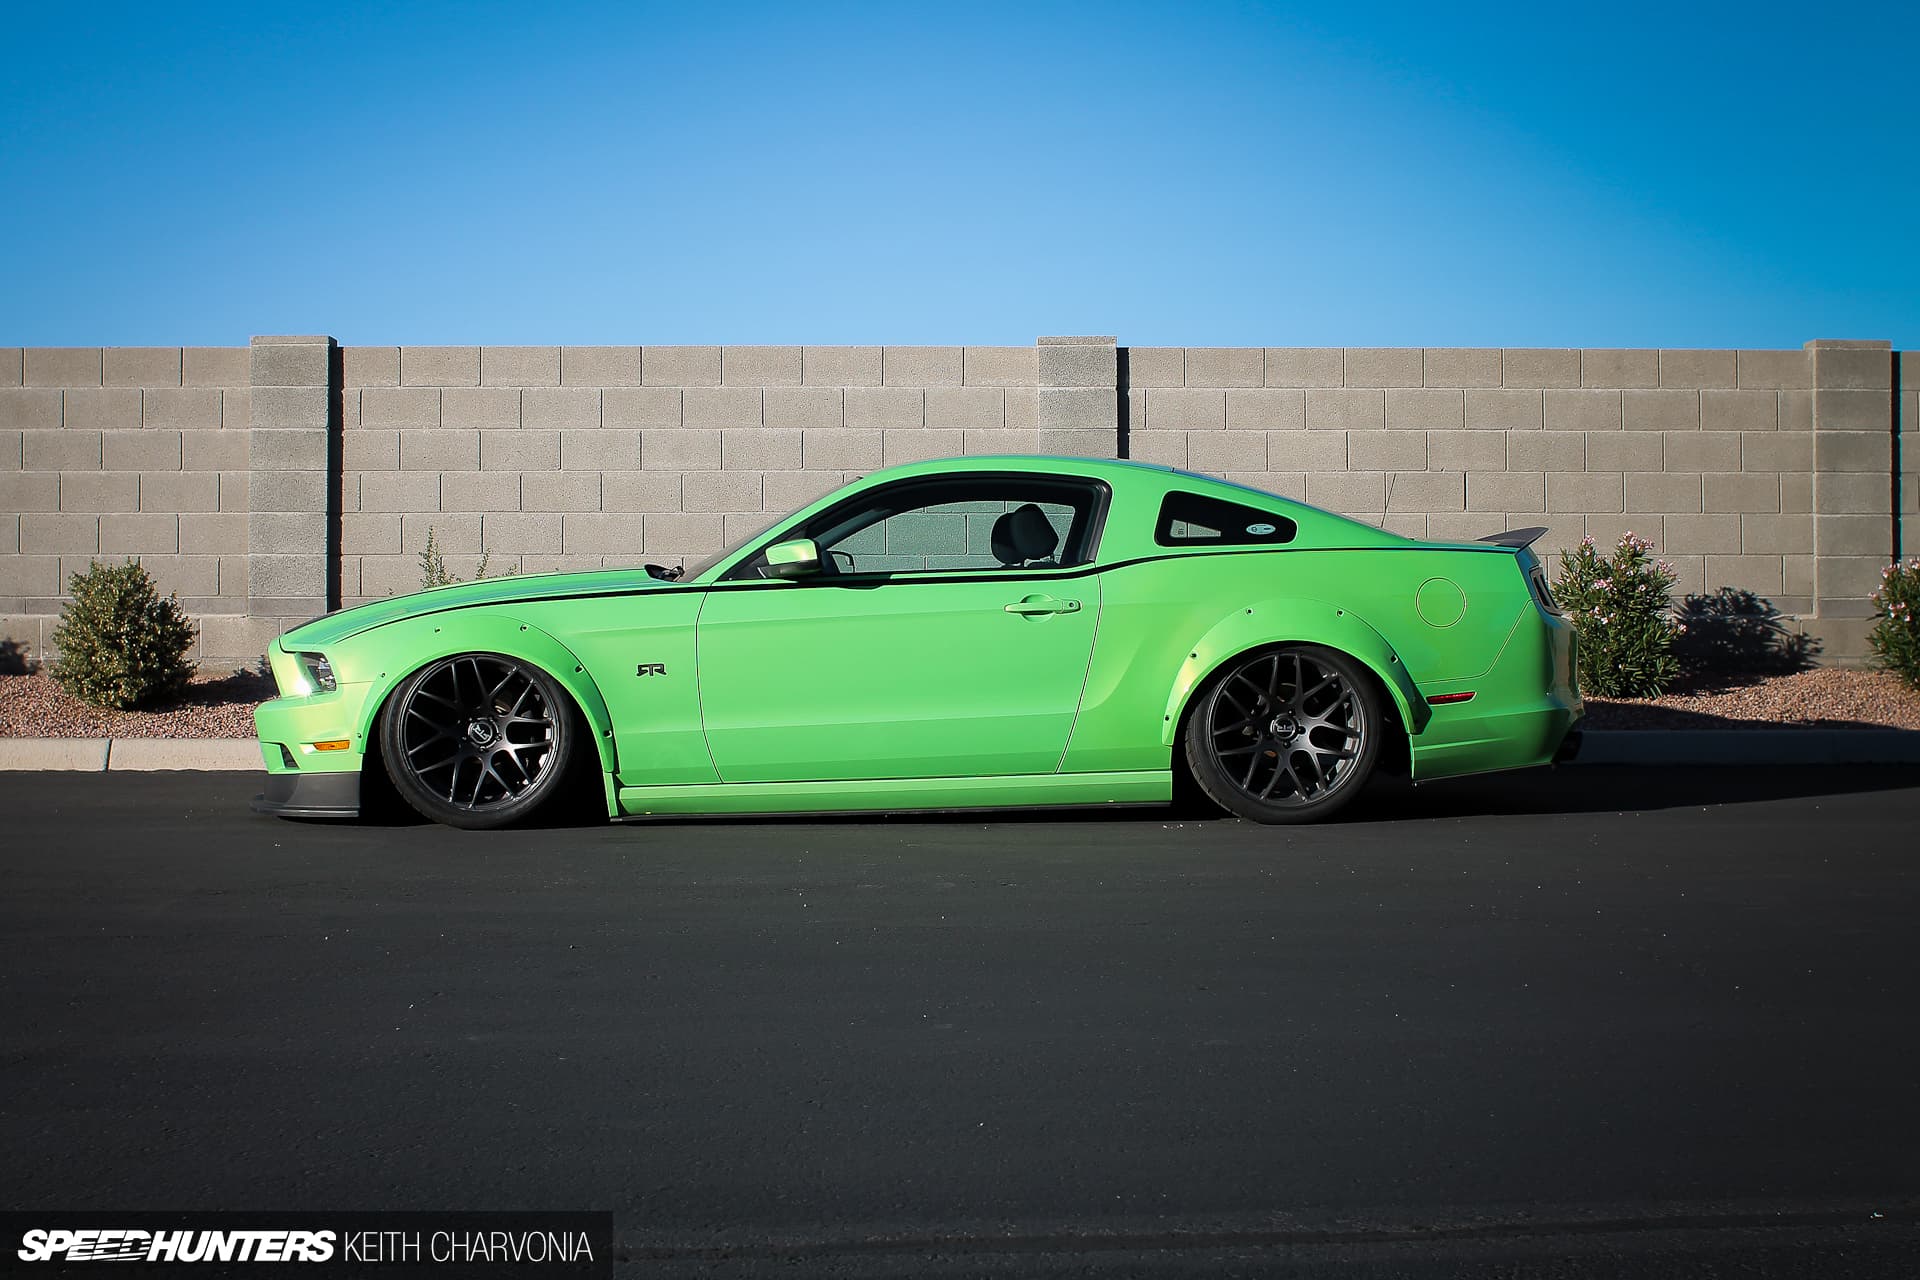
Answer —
(1043, 604)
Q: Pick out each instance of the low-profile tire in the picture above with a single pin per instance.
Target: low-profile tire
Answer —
(1286, 735)
(478, 740)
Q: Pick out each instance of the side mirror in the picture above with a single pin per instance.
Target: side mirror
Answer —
(795, 558)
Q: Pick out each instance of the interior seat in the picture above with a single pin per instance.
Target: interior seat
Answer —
(1024, 535)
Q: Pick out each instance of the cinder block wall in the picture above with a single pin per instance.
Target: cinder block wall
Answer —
(1790, 473)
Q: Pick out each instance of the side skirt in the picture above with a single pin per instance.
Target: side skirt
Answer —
(898, 795)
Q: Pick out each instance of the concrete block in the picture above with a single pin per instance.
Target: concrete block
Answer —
(1425, 409)
(370, 367)
(1217, 453)
(235, 489)
(236, 409)
(1023, 408)
(1093, 365)
(1584, 410)
(1759, 574)
(284, 450)
(291, 361)
(181, 408)
(60, 367)
(1796, 493)
(998, 366)
(720, 491)
(600, 366)
(520, 366)
(1185, 409)
(1462, 366)
(11, 452)
(275, 532)
(966, 408)
(1689, 368)
(1306, 366)
(1779, 535)
(1385, 366)
(480, 408)
(680, 366)
(291, 408)
(484, 491)
(137, 534)
(1357, 410)
(1703, 534)
(681, 535)
(60, 450)
(363, 449)
(190, 577)
(1426, 491)
(721, 407)
(390, 575)
(1662, 410)
(519, 533)
(1540, 367)
(760, 449)
(1308, 452)
(216, 366)
(361, 533)
(1083, 419)
(1839, 492)
(560, 408)
(1624, 451)
(1702, 450)
(102, 409)
(140, 450)
(1776, 451)
(921, 366)
(140, 366)
(840, 449)
(1773, 370)
(1405, 523)
(878, 408)
(1759, 493)
(400, 407)
(37, 576)
(1739, 410)
(1225, 367)
(976, 442)
(41, 491)
(1836, 410)
(176, 491)
(440, 366)
(640, 491)
(1659, 492)
(599, 449)
(1386, 450)
(1463, 526)
(1867, 368)
(1467, 450)
(453, 533)
(684, 450)
(791, 490)
(236, 636)
(10, 368)
(1156, 366)
(439, 450)
(400, 491)
(761, 366)
(1509, 491)
(558, 491)
(841, 366)
(640, 408)
(1265, 409)
(1584, 492)
(899, 447)
(1846, 578)
(1501, 409)
(1348, 492)
(796, 407)
(600, 533)
(1619, 368)
(30, 409)
(1170, 448)
(1285, 484)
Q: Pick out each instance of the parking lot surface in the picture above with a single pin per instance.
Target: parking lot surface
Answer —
(1632, 1021)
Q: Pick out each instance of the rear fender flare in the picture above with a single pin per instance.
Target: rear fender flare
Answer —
(1293, 620)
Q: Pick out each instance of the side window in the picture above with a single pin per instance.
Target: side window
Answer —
(1192, 520)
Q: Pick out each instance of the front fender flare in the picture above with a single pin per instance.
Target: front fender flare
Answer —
(1294, 620)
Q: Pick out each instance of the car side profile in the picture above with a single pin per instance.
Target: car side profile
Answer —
(973, 633)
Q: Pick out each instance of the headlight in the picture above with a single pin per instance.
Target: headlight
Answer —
(318, 672)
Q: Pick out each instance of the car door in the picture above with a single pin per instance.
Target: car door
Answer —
(920, 653)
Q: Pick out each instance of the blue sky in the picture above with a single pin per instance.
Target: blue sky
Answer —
(1233, 174)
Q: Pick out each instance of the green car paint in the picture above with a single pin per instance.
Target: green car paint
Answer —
(937, 686)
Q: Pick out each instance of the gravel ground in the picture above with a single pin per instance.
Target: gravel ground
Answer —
(217, 705)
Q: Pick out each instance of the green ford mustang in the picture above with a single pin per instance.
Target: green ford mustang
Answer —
(973, 633)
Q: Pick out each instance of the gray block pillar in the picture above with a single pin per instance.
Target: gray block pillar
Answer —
(289, 534)
(1076, 402)
(1855, 421)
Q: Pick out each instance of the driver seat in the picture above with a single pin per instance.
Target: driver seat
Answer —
(1024, 535)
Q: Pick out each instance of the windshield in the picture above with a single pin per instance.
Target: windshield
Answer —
(700, 566)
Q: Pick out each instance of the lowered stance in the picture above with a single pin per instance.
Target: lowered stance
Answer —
(973, 633)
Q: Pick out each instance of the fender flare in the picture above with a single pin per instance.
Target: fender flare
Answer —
(1293, 620)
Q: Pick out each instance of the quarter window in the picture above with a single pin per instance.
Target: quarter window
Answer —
(1193, 520)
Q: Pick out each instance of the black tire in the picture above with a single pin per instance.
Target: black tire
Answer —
(478, 740)
(1286, 735)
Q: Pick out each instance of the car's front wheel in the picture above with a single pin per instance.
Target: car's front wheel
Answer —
(477, 740)
(1288, 735)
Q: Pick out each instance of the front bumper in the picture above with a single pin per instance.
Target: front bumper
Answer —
(310, 795)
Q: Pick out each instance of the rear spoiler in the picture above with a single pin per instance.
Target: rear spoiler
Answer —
(1515, 537)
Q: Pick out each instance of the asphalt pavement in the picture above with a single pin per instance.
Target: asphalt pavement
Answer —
(1587, 1022)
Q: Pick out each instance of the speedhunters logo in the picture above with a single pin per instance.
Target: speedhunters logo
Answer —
(317, 1245)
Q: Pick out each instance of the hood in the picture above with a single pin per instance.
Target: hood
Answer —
(331, 628)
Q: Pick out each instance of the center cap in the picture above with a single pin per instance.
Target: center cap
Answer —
(1283, 727)
(480, 733)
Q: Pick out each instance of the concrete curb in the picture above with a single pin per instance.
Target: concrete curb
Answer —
(122, 755)
(1679, 747)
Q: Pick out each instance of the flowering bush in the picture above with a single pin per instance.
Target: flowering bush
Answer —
(1621, 610)
(1895, 638)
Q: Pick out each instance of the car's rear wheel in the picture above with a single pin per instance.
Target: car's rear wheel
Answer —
(477, 740)
(1288, 735)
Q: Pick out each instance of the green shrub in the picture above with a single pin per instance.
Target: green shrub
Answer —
(1621, 610)
(434, 571)
(120, 644)
(1895, 638)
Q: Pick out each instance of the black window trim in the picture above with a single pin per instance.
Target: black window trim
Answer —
(1282, 521)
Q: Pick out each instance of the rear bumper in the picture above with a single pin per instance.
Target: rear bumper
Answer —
(310, 795)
